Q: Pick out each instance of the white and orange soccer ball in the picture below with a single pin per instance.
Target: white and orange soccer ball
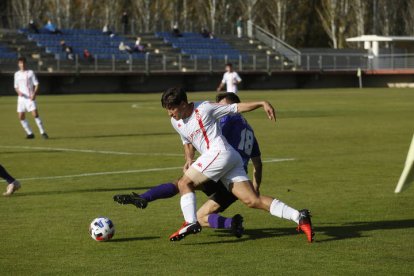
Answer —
(102, 229)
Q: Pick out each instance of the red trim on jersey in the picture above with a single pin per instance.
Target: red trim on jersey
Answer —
(211, 162)
(203, 129)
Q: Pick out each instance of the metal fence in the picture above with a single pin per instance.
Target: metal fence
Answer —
(254, 63)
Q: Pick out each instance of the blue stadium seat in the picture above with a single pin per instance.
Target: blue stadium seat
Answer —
(194, 44)
(97, 43)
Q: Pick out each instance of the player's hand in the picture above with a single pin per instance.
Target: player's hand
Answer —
(270, 111)
(218, 89)
(187, 165)
(20, 94)
(33, 97)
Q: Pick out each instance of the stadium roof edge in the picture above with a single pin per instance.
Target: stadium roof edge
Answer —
(371, 38)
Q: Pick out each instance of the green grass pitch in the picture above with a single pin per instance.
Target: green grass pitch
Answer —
(348, 146)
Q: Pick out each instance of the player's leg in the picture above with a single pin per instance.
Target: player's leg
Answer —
(244, 191)
(219, 200)
(166, 190)
(25, 124)
(38, 121)
(208, 216)
(208, 167)
(186, 186)
(13, 184)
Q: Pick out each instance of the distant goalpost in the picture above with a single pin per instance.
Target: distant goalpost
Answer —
(407, 176)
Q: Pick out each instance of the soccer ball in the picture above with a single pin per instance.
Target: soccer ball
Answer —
(101, 229)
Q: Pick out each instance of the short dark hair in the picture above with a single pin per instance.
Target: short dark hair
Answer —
(173, 96)
(231, 97)
(229, 64)
(22, 59)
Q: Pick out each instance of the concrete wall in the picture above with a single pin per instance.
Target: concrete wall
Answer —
(67, 83)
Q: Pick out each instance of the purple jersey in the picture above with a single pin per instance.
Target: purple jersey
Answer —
(240, 136)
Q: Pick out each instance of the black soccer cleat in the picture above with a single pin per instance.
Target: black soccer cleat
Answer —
(133, 198)
(237, 226)
(185, 230)
(305, 224)
(30, 136)
(45, 136)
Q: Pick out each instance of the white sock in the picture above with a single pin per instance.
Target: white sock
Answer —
(188, 206)
(281, 210)
(40, 125)
(26, 127)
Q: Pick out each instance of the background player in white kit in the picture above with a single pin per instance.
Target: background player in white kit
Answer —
(27, 87)
(231, 79)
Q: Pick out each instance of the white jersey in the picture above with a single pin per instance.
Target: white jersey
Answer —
(201, 129)
(25, 81)
(231, 79)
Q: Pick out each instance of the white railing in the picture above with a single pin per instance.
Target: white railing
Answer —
(290, 52)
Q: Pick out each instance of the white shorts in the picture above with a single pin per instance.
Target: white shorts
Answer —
(25, 105)
(226, 166)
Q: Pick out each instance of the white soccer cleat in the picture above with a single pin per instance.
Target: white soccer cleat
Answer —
(11, 188)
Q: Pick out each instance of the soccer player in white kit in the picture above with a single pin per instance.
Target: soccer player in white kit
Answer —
(231, 79)
(197, 125)
(27, 87)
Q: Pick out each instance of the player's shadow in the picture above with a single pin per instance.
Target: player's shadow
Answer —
(350, 230)
(78, 191)
(135, 239)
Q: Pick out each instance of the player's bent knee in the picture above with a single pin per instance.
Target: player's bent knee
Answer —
(252, 202)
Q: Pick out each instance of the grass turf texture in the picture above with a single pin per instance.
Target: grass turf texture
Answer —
(349, 146)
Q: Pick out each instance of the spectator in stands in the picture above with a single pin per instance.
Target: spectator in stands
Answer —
(107, 31)
(51, 28)
(33, 27)
(138, 47)
(175, 31)
(67, 50)
(239, 27)
(63, 45)
(125, 22)
(87, 55)
(205, 33)
(124, 48)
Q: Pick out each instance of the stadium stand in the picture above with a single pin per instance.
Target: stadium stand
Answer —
(6, 53)
(192, 52)
(195, 44)
(100, 45)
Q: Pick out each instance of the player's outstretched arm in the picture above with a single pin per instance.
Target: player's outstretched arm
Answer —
(249, 106)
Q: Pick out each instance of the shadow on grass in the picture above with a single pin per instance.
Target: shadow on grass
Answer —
(79, 191)
(339, 232)
(134, 239)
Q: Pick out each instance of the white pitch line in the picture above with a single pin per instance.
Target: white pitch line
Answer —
(93, 151)
(274, 160)
(100, 173)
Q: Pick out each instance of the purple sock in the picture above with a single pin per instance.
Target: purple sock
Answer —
(219, 222)
(166, 190)
(5, 175)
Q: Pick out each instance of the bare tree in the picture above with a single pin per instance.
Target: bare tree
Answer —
(328, 15)
(360, 8)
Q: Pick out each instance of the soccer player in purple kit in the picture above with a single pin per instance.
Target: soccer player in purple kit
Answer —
(241, 137)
